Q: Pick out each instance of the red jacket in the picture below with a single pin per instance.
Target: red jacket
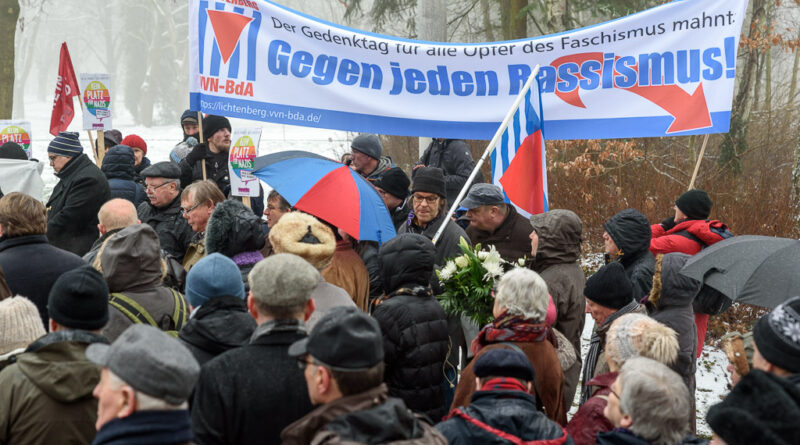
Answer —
(694, 235)
(590, 420)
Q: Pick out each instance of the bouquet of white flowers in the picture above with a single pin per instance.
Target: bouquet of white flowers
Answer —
(468, 281)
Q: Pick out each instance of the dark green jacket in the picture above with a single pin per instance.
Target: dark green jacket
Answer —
(46, 396)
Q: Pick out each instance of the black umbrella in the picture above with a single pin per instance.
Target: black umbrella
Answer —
(759, 270)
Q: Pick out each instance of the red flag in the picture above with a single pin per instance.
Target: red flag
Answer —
(66, 89)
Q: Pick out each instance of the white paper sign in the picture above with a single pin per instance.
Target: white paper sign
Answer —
(241, 156)
(96, 101)
(16, 131)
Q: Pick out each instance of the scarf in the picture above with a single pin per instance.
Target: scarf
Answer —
(512, 328)
(504, 384)
(595, 348)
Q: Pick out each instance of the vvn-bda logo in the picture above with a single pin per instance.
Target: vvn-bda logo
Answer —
(229, 50)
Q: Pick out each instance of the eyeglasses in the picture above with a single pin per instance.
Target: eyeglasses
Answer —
(151, 188)
(189, 210)
(303, 362)
(613, 392)
(429, 199)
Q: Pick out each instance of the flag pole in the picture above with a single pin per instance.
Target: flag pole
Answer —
(497, 135)
(200, 124)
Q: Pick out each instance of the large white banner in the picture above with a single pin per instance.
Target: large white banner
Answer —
(669, 70)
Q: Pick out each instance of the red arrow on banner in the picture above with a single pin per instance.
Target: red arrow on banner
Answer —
(689, 111)
(227, 26)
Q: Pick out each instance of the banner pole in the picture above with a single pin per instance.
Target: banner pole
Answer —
(94, 149)
(699, 160)
(497, 135)
(200, 125)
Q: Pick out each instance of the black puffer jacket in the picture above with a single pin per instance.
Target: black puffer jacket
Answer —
(173, 231)
(670, 303)
(234, 231)
(220, 324)
(73, 205)
(120, 172)
(630, 231)
(455, 158)
(413, 324)
(512, 412)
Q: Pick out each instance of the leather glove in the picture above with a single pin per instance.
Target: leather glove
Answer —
(197, 153)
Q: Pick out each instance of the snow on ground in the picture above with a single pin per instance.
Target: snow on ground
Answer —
(161, 139)
(711, 376)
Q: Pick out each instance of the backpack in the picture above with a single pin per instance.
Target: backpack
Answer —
(136, 313)
(709, 300)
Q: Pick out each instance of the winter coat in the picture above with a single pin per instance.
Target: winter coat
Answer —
(91, 255)
(348, 271)
(400, 214)
(234, 231)
(371, 417)
(670, 303)
(169, 427)
(327, 296)
(220, 324)
(414, 328)
(46, 396)
(630, 231)
(131, 264)
(32, 265)
(558, 263)
(120, 172)
(590, 420)
(549, 378)
(625, 437)
(597, 348)
(689, 236)
(249, 394)
(72, 208)
(173, 231)
(511, 238)
(195, 252)
(447, 246)
(454, 157)
(512, 412)
(216, 168)
(5, 291)
(368, 251)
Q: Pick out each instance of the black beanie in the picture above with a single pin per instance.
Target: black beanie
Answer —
(212, 124)
(761, 408)
(777, 335)
(12, 150)
(429, 180)
(695, 204)
(394, 182)
(609, 287)
(79, 299)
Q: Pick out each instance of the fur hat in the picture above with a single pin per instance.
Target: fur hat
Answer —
(761, 408)
(633, 335)
(20, 324)
(232, 229)
(609, 287)
(303, 235)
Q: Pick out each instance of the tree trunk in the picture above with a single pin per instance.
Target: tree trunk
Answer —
(515, 22)
(487, 21)
(793, 82)
(9, 13)
(431, 26)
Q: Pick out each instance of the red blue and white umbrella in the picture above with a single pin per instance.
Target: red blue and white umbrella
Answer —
(328, 190)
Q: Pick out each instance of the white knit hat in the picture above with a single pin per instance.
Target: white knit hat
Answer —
(20, 324)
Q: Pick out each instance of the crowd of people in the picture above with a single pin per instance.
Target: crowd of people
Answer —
(146, 304)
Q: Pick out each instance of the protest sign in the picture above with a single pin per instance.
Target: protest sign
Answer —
(16, 131)
(669, 70)
(244, 149)
(96, 101)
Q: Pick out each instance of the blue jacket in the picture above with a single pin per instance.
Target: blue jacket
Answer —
(118, 166)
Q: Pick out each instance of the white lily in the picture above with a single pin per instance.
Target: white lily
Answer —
(462, 261)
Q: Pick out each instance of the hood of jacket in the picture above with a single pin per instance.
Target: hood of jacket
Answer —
(219, 324)
(406, 260)
(57, 365)
(670, 288)
(119, 163)
(631, 232)
(131, 259)
(559, 237)
(233, 228)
